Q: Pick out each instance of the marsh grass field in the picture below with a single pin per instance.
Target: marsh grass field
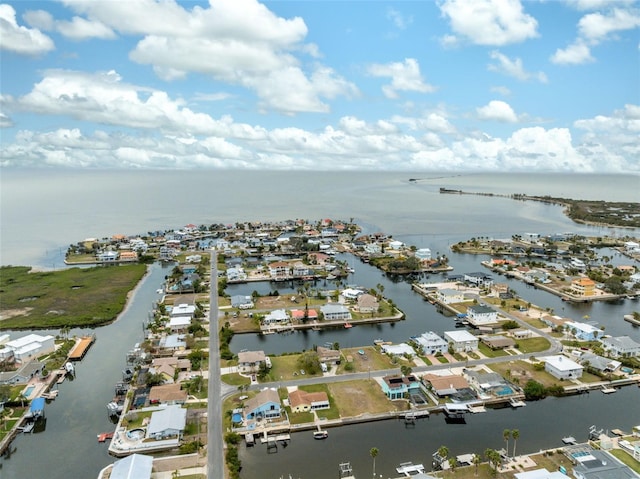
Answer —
(75, 297)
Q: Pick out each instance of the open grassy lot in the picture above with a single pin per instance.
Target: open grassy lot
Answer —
(371, 360)
(355, 397)
(74, 297)
(533, 345)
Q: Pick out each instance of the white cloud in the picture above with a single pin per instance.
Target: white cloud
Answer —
(5, 121)
(497, 110)
(104, 98)
(399, 20)
(597, 4)
(513, 68)
(596, 27)
(575, 54)
(489, 22)
(80, 29)
(240, 42)
(404, 76)
(39, 19)
(20, 39)
(502, 90)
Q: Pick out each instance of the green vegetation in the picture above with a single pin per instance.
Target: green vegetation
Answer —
(533, 345)
(75, 297)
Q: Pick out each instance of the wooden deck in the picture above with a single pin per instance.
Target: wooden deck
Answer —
(80, 349)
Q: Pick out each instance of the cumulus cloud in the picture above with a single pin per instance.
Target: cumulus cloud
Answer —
(80, 29)
(513, 68)
(489, 22)
(594, 28)
(575, 54)
(104, 98)
(405, 76)
(497, 110)
(20, 39)
(240, 42)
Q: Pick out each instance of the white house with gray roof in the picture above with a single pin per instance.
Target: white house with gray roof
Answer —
(167, 422)
(335, 312)
(562, 367)
(621, 347)
(461, 341)
(479, 315)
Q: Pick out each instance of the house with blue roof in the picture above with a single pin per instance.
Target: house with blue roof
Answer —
(396, 387)
(265, 405)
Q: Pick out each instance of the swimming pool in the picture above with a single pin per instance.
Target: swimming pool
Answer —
(503, 391)
(27, 392)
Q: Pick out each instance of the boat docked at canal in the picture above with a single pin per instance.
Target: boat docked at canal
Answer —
(320, 434)
(410, 469)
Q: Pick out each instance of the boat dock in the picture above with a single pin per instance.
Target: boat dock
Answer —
(608, 390)
(81, 347)
(410, 469)
(517, 402)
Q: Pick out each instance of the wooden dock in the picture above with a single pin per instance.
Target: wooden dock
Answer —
(81, 347)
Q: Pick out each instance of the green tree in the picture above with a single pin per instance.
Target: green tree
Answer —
(506, 434)
(373, 452)
(405, 370)
(515, 434)
(476, 463)
(533, 390)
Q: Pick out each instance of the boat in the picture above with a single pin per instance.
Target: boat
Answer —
(50, 395)
(410, 469)
(320, 434)
(115, 408)
(69, 368)
(608, 390)
(348, 325)
(102, 437)
(517, 402)
(569, 440)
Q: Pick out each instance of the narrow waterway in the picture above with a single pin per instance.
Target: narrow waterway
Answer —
(67, 447)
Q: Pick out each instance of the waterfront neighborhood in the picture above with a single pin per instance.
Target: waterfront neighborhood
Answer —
(501, 350)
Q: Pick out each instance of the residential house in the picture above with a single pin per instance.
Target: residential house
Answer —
(303, 401)
(300, 269)
(461, 341)
(128, 256)
(431, 343)
(279, 270)
(135, 466)
(23, 374)
(328, 355)
(367, 303)
(584, 287)
(277, 316)
(167, 422)
(31, 346)
(179, 324)
(236, 274)
(182, 310)
(372, 248)
(335, 312)
(172, 342)
(242, 302)
(401, 349)
(396, 387)
(621, 347)
(167, 253)
(300, 315)
(478, 279)
(498, 341)
(264, 405)
(446, 384)
(167, 394)
(582, 331)
(483, 381)
(599, 464)
(169, 367)
(423, 254)
(249, 361)
(600, 364)
(562, 367)
(449, 296)
(107, 256)
(480, 315)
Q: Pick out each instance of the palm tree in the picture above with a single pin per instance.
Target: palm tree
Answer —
(476, 462)
(443, 452)
(373, 452)
(515, 434)
(452, 465)
(506, 434)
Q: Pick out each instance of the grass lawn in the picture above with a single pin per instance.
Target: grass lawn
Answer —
(235, 379)
(491, 353)
(371, 360)
(533, 345)
(627, 459)
(354, 397)
(71, 297)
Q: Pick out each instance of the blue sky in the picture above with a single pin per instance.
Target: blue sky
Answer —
(443, 85)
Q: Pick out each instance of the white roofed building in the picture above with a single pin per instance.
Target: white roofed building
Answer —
(562, 367)
(461, 341)
(31, 346)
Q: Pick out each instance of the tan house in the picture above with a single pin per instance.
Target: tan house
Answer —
(583, 287)
(128, 256)
(328, 356)
(302, 401)
(167, 394)
(169, 366)
(445, 385)
(249, 361)
(368, 303)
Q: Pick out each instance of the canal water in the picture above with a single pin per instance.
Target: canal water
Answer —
(67, 447)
